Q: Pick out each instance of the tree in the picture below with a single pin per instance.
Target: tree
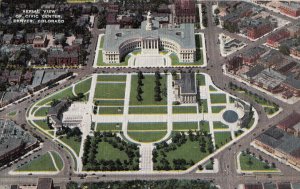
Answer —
(139, 97)
(140, 82)
(284, 49)
(140, 75)
(217, 11)
(139, 89)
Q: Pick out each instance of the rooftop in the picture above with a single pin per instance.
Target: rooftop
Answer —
(115, 37)
(187, 83)
(280, 140)
(12, 136)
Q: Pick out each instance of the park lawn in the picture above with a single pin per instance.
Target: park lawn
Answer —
(12, 114)
(102, 41)
(101, 127)
(204, 126)
(147, 126)
(256, 165)
(101, 63)
(146, 137)
(59, 162)
(74, 144)
(201, 79)
(270, 110)
(65, 93)
(185, 126)
(218, 98)
(42, 112)
(42, 163)
(42, 123)
(202, 106)
(106, 151)
(110, 110)
(220, 125)
(217, 109)
(83, 86)
(148, 90)
(212, 88)
(148, 110)
(198, 40)
(106, 78)
(221, 138)
(188, 151)
(184, 109)
(110, 91)
(110, 102)
(198, 62)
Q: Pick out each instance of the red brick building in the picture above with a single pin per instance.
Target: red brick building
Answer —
(184, 11)
(259, 30)
(60, 58)
(274, 39)
(291, 9)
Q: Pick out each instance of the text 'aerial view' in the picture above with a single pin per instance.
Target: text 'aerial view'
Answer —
(149, 94)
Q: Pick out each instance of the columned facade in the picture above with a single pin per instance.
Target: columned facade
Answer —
(150, 39)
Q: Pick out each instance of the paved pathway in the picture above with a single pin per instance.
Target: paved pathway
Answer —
(146, 163)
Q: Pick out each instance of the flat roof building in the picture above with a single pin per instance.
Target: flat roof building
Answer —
(186, 88)
(281, 144)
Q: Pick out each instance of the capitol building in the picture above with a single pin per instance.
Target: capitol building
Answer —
(149, 39)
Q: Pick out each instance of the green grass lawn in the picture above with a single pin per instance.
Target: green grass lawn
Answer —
(12, 114)
(109, 127)
(102, 41)
(217, 109)
(65, 93)
(110, 91)
(184, 109)
(203, 108)
(101, 63)
(83, 86)
(147, 126)
(58, 160)
(198, 40)
(149, 136)
(204, 126)
(148, 110)
(222, 138)
(188, 151)
(110, 110)
(105, 78)
(42, 163)
(42, 112)
(148, 90)
(75, 145)
(218, 98)
(110, 102)
(198, 62)
(250, 163)
(106, 151)
(201, 79)
(42, 123)
(179, 126)
(220, 125)
(212, 88)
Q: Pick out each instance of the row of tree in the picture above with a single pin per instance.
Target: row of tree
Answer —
(180, 138)
(139, 86)
(91, 162)
(153, 184)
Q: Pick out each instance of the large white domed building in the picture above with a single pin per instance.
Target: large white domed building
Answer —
(150, 39)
